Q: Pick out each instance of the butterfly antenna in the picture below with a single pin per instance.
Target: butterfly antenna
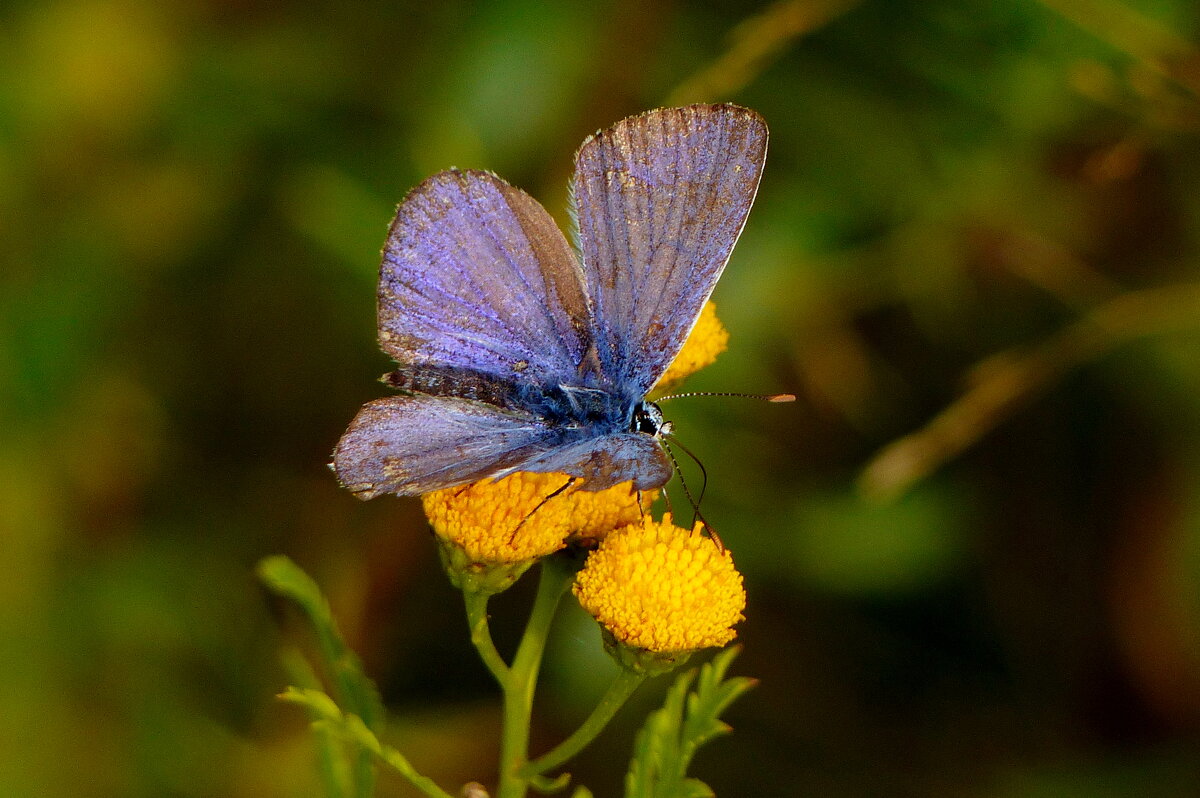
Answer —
(712, 533)
(557, 491)
(774, 398)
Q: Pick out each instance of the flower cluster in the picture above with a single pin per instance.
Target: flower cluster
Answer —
(518, 518)
(655, 588)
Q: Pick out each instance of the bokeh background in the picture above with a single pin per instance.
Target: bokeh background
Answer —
(972, 548)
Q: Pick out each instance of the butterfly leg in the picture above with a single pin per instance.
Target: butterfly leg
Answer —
(696, 514)
(557, 491)
(667, 500)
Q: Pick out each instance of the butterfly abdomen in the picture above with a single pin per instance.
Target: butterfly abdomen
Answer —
(446, 381)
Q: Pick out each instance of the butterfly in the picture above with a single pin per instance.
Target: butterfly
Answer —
(515, 353)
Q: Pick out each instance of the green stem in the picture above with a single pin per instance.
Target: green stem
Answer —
(618, 693)
(556, 577)
(481, 634)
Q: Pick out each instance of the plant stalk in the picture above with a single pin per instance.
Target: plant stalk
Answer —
(555, 578)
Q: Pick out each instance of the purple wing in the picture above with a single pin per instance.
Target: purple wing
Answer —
(660, 200)
(476, 275)
(607, 461)
(409, 445)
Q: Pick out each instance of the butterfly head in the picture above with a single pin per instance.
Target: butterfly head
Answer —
(648, 419)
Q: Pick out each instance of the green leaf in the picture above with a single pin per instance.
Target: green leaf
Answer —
(667, 743)
(548, 786)
(333, 765)
(353, 688)
(694, 788)
(317, 702)
(352, 728)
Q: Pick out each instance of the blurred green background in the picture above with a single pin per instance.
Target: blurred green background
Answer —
(987, 211)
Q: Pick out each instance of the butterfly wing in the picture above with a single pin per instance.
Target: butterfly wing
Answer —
(409, 445)
(660, 200)
(607, 461)
(476, 275)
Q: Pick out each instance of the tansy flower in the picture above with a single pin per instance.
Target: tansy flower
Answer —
(663, 590)
(510, 523)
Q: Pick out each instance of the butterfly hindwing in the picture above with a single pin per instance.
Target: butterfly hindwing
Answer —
(409, 445)
(606, 461)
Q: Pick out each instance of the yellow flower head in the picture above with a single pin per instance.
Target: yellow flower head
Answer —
(501, 521)
(708, 339)
(657, 587)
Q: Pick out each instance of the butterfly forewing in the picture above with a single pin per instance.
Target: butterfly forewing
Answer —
(660, 199)
(477, 276)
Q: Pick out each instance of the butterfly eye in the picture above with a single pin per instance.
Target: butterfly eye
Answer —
(647, 419)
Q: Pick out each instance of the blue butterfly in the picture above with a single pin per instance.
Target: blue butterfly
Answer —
(517, 355)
